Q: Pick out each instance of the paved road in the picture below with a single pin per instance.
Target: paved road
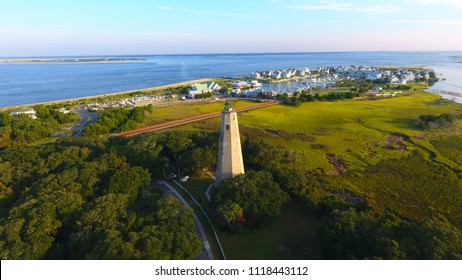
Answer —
(206, 253)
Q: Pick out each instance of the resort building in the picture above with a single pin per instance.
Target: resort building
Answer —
(26, 111)
(199, 88)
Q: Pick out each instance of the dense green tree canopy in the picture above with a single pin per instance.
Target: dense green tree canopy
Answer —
(83, 199)
(353, 234)
(260, 198)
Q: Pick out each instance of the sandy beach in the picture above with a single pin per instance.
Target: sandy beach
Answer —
(105, 95)
(451, 97)
(80, 60)
(403, 67)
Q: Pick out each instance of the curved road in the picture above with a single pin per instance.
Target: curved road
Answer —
(206, 253)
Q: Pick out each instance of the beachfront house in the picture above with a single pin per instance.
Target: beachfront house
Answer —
(287, 74)
(277, 75)
(64, 110)
(394, 80)
(199, 88)
(373, 76)
(410, 77)
(26, 111)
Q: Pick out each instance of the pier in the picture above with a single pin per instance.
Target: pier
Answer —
(440, 91)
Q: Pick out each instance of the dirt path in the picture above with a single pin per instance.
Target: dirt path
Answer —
(171, 124)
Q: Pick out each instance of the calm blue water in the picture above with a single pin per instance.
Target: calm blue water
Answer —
(24, 83)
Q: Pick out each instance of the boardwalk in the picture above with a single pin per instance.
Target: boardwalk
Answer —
(171, 124)
(447, 92)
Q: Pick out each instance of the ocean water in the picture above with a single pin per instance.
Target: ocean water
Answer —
(24, 83)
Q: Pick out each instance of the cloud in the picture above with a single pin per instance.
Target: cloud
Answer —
(344, 7)
(454, 21)
(456, 3)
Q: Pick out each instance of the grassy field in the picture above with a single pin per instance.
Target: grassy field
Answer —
(362, 132)
(190, 109)
(291, 236)
(380, 155)
(197, 187)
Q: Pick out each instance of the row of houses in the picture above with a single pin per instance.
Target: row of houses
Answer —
(395, 76)
(281, 74)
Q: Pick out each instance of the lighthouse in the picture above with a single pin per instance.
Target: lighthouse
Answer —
(230, 162)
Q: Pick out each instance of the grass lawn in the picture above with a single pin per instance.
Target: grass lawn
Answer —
(450, 147)
(358, 131)
(197, 187)
(190, 109)
(291, 236)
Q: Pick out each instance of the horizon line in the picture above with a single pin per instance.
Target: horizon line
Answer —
(222, 53)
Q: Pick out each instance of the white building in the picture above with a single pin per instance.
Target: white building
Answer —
(287, 74)
(277, 75)
(26, 111)
(394, 81)
(199, 88)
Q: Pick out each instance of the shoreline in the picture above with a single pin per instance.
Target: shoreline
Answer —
(14, 107)
(456, 99)
(77, 60)
(423, 67)
(111, 94)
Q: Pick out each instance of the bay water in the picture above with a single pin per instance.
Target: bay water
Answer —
(25, 83)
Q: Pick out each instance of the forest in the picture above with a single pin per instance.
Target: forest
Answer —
(22, 130)
(92, 198)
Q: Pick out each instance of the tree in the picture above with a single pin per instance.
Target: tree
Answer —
(197, 159)
(177, 222)
(106, 214)
(129, 181)
(256, 193)
(433, 239)
(78, 198)
(32, 227)
(259, 154)
(232, 213)
(292, 180)
(177, 143)
(358, 235)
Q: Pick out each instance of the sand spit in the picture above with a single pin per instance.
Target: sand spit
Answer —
(105, 95)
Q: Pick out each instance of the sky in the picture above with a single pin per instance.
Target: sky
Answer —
(97, 27)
